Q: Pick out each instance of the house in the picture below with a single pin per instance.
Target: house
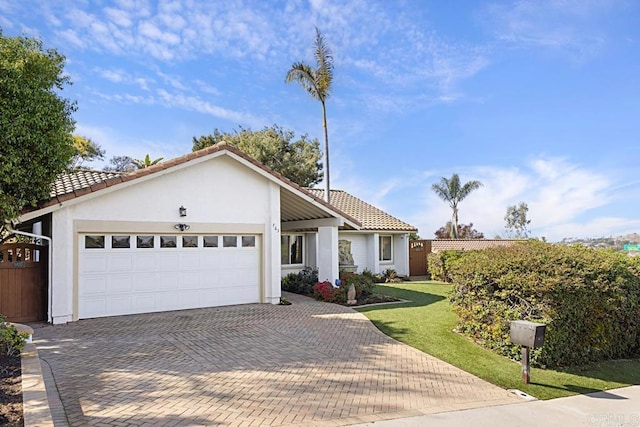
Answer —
(213, 227)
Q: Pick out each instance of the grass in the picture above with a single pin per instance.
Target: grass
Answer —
(427, 323)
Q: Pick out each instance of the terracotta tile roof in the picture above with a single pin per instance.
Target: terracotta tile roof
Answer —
(78, 183)
(438, 245)
(79, 180)
(369, 216)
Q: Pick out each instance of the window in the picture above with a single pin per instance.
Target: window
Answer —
(210, 241)
(94, 242)
(189, 241)
(248, 241)
(291, 249)
(167, 241)
(120, 242)
(386, 248)
(143, 242)
(230, 241)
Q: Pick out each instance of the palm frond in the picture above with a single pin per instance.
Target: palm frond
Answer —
(305, 75)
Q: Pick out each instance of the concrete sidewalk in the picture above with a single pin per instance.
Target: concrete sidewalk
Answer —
(619, 407)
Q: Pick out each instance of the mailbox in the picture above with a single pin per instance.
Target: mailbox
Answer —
(527, 334)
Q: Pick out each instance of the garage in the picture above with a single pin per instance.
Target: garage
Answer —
(126, 273)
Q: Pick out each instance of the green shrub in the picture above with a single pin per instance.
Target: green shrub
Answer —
(375, 278)
(11, 341)
(589, 299)
(440, 264)
(363, 283)
(301, 282)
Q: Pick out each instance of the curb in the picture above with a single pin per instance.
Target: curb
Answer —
(35, 404)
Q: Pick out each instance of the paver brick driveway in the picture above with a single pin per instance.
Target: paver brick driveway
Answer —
(310, 363)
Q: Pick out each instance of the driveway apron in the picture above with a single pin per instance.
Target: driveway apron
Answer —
(309, 363)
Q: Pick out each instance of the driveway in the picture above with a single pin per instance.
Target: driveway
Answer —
(309, 363)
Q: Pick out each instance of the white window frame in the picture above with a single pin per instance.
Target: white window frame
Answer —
(380, 254)
(302, 248)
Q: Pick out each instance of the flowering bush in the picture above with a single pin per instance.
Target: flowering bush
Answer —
(325, 291)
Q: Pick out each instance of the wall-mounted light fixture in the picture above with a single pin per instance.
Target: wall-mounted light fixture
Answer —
(182, 210)
(182, 227)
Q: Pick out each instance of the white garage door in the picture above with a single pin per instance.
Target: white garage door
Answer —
(129, 273)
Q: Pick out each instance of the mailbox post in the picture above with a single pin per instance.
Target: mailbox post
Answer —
(529, 335)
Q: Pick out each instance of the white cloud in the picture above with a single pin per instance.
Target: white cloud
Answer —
(564, 199)
(567, 25)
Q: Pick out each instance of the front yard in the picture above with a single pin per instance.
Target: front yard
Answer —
(427, 323)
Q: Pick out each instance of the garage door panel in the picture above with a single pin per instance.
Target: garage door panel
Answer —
(189, 280)
(120, 262)
(145, 262)
(118, 305)
(167, 301)
(167, 281)
(94, 263)
(167, 261)
(117, 281)
(92, 307)
(144, 303)
(93, 285)
(144, 281)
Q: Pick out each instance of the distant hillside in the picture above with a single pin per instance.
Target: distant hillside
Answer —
(616, 243)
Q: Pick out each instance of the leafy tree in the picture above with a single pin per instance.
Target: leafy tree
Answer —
(517, 224)
(85, 151)
(464, 232)
(120, 164)
(451, 191)
(317, 82)
(146, 162)
(35, 123)
(273, 146)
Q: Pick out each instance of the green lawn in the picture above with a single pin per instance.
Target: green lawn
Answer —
(427, 323)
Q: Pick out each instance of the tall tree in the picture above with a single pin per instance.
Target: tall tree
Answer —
(517, 224)
(120, 164)
(317, 82)
(465, 231)
(298, 160)
(146, 162)
(35, 123)
(85, 151)
(451, 191)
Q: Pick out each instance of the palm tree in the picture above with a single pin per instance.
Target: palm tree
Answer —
(317, 82)
(141, 164)
(453, 193)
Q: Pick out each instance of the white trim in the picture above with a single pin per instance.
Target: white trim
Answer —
(380, 250)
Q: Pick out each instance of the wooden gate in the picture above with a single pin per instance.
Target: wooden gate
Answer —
(418, 251)
(23, 282)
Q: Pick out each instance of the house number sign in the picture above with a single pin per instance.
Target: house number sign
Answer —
(19, 264)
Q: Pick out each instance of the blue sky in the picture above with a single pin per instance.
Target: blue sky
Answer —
(539, 100)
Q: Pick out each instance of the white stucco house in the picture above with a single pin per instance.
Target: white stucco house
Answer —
(210, 228)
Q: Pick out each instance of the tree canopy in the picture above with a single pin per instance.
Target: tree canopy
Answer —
(86, 150)
(317, 82)
(464, 232)
(298, 160)
(453, 192)
(516, 222)
(36, 123)
(120, 164)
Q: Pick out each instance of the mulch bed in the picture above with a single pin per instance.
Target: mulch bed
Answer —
(10, 391)
(375, 299)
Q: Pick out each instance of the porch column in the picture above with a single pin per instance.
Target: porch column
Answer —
(328, 254)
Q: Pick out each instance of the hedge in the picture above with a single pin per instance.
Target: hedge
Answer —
(440, 264)
(589, 299)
